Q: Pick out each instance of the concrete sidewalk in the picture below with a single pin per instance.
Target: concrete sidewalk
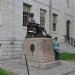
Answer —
(66, 68)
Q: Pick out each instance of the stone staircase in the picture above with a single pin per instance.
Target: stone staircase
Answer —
(65, 47)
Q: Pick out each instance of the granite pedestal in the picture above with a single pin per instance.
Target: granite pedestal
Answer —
(39, 52)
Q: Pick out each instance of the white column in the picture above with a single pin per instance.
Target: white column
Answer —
(50, 17)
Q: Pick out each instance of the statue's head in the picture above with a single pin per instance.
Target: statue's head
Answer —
(68, 22)
(31, 14)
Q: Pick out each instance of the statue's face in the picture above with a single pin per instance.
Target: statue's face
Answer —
(68, 22)
(32, 15)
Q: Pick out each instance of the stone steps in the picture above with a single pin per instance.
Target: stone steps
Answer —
(67, 48)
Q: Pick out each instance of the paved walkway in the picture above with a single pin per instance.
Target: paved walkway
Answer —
(70, 73)
(66, 68)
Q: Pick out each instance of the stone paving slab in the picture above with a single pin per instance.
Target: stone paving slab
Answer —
(66, 68)
(70, 73)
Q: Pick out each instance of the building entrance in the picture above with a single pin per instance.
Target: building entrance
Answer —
(68, 31)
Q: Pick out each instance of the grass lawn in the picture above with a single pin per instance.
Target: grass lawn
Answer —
(67, 56)
(4, 72)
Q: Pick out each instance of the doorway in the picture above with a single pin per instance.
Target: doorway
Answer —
(68, 31)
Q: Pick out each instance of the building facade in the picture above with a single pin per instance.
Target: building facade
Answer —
(57, 18)
(62, 13)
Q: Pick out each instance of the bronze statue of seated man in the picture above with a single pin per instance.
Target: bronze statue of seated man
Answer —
(34, 29)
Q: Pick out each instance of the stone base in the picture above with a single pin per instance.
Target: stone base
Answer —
(38, 50)
(42, 65)
(45, 65)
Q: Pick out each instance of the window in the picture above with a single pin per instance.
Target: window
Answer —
(68, 3)
(26, 12)
(42, 17)
(54, 21)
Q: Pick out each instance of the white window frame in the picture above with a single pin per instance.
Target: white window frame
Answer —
(54, 22)
(42, 18)
(26, 12)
